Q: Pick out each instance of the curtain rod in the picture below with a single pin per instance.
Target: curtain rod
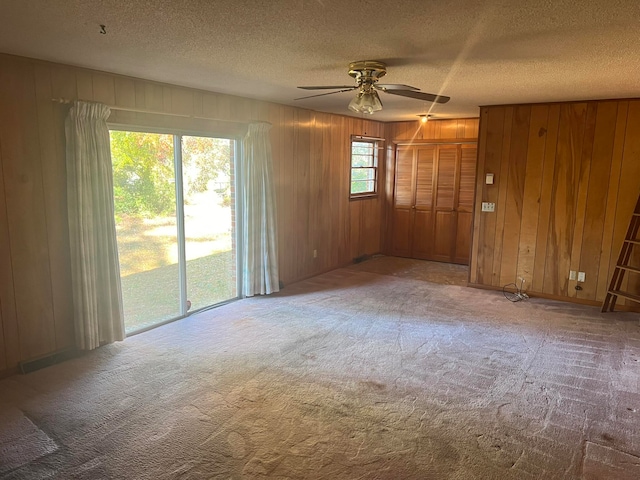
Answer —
(65, 101)
(365, 137)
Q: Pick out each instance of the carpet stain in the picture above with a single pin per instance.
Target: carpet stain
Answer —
(373, 385)
(236, 445)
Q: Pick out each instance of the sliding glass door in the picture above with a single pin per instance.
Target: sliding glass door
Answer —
(209, 220)
(175, 221)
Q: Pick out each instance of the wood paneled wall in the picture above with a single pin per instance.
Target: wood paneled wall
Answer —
(455, 129)
(567, 177)
(434, 131)
(311, 171)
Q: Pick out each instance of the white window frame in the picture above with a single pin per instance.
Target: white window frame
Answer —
(376, 143)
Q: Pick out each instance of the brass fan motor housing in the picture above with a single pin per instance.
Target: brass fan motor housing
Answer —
(367, 71)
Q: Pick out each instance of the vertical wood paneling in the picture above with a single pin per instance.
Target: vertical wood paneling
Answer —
(52, 148)
(154, 97)
(564, 192)
(8, 320)
(181, 101)
(544, 212)
(64, 83)
(454, 129)
(372, 241)
(478, 226)
(448, 129)
(575, 177)
(289, 192)
(595, 212)
(471, 127)
(581, 197)
(141, 97)
(84, 82)
(315, 192)
(340, 178)
(124, 92)
(24, 196)
(609, 256)
(485, 225)
(104, 90)
(498, 194)
(531, 197)
(515, 194)
(302, 149)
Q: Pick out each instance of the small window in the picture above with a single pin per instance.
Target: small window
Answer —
(364, 167)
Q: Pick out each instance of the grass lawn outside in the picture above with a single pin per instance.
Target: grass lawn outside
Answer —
(148, 253)
(154, 296)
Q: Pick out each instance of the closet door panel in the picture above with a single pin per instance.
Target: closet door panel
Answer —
(425, 159)
(422, 234)
(401, 238)
(404, 185)
(443, 238)
(433, 202)
(404, 192)
(423, 211)
(466, 190)
(445, 202)
(446, 177)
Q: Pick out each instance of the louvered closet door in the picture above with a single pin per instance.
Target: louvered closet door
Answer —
(433, 202)
(464, 209)
(445, 221)
(403, 202)
(423, 203)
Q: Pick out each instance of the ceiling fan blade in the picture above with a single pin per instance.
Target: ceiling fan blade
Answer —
(331, 87)
(394, 86)
(427, 97)
(330, 93)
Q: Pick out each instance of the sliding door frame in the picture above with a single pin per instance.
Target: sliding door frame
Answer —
(177, 134)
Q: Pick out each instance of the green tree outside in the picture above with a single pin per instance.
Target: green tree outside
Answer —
(143, 174)
(143, 171)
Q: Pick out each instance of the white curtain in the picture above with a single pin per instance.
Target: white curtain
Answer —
(259, 240)
(95, 270)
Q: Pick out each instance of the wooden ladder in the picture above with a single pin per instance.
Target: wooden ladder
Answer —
(623, 266)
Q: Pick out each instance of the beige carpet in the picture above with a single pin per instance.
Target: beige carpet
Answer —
(377, 371)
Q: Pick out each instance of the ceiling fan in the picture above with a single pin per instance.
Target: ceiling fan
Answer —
(367, 73)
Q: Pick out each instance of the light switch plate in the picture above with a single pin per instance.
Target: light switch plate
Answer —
(581, 276)
(488, 179)
(572, 275)
(488, 207)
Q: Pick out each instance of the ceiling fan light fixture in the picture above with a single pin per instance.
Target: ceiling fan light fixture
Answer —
(366, 74)
(366, 103)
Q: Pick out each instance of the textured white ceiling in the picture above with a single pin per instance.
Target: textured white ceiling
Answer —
(476, 52)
